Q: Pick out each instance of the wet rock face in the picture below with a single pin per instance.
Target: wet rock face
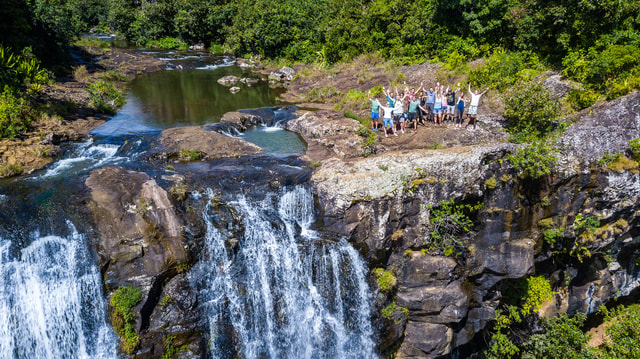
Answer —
(141, 244)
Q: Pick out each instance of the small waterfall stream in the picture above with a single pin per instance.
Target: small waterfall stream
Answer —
(283, 291)
(51, 301)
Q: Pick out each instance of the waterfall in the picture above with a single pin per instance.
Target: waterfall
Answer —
(51, 304)
(283, 291)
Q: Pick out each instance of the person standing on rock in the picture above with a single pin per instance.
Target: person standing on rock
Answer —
(429, 103)
(375, 112)
(386, 120)
(473, 105)
(460, 110)
(451, 105)
(398, 111)
(414, 106)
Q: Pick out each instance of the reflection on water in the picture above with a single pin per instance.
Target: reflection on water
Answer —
(166, 99)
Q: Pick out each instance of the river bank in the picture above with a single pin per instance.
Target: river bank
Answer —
(65, 110)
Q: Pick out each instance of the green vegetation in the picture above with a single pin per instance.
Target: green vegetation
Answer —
(123, 317)
(170, 349)
(389, 312)
(190, 155)
(105, 97)
(386, 279)
(534, 160)
(523, 297)
(449, 222)
(165, 301)
(530, 111)
(369, 141)
(7, 170)
(491, 183)
(563, 337)
(635, 149)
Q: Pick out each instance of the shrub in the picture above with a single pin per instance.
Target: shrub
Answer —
(581, 99)
(15, 115)
(386, 280)
(389, 312)
(123, 317)
(449, 221)
(504, 69)
(530, 110)
(190, 155)
(104, 97)
(7, 170)
(167, 43)
(635, 149)
(535, 160)
(81, 74)
(491, 183)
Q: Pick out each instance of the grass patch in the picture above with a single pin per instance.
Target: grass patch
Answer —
(386, 279)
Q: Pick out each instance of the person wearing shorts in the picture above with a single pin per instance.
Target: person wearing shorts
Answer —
(414, 107)
(472, 114)
(437, 108)
(451, 105)
(386, 119)
(375, 112)
(398, 112)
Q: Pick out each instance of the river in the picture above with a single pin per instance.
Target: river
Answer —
(286, 291)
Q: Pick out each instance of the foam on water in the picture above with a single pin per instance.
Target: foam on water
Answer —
(85, 157)
(51, 305)
(283, 292)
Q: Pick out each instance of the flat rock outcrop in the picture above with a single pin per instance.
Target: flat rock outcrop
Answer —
(211, 145)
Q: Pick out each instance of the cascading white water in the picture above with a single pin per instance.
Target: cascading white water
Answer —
(283, 292)
(51, 304)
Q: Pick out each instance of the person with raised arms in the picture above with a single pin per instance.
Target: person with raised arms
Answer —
(472, 114)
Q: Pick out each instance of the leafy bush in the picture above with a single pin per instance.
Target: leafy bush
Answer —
(562, 339)
(389, 312)
(581, 99)
(123, 317)
(167, 43)
(7, 170)
(190, 155)
(15, 115)
(635, 149)
(530, 110)
(535, 160)
(449, 221)
(105, 97)
(504, 69)
(386, 280)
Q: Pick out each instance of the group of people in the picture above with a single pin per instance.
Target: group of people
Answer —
(437, 105)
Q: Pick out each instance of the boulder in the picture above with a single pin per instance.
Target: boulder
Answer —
(140, 244)
(557, 85)
(228, 80)
(198, 47)
(211, 145)
(241, 120)
(605, 128)
(249, 81)
(234, 89)
(284, 74)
